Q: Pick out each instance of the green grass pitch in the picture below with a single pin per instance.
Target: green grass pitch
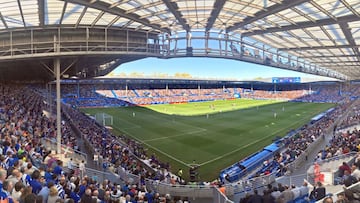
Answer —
(212, 134)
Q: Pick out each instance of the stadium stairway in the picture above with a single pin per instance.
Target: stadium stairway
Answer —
(136, 93)
(312, 156)
(115, 95)
(201, 200)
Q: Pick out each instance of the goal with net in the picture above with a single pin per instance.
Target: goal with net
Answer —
(104, 119)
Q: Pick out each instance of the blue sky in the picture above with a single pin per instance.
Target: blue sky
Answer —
(206, 68)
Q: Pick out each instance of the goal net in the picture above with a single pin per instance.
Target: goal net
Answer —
(104, 119)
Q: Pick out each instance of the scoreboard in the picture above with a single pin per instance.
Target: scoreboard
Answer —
(277, 80)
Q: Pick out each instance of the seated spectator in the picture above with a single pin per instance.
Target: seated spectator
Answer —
(275, 193)
(296, 191)
(355, 172)
(304, 189)
(267, 197)
(86, 197)
(318, 192)
(328, 200)
(349, 197)
(348, 179)
(255, 198)
(344, 167)
(287, 195)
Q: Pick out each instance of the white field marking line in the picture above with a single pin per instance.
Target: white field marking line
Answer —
(135, 127)
(231, 152)
(236, 150)
(164, 153)
(172, 120)
(181, 123)
(177, 135)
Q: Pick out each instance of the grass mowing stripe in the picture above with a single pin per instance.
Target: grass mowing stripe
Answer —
(256, 141)
(249, 121)
(156, 149)
(135, 127)
(181, 134)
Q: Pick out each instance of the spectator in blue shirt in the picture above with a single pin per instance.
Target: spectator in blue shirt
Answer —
(35, 182)
(5, 191)
(45, 191)
(58, 168)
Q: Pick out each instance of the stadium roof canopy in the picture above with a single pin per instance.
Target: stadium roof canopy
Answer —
(322, 32)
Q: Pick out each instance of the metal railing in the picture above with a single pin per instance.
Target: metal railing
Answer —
(219, 197)
(335, 158)
(326, 166)
(353, 187)
(204, 191)
(97, 175)
(31, 43)
(67, 151)
(296, 180)
(190, 191)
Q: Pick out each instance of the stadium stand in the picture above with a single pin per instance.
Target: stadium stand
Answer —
(100, 94)
(28, 166)
(23, 123)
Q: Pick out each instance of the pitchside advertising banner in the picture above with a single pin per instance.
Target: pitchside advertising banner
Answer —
(286, 80)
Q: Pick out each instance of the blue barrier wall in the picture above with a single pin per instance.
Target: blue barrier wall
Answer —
(239, 169)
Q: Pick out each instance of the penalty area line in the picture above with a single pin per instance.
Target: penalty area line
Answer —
(156, 149)
(135, 127)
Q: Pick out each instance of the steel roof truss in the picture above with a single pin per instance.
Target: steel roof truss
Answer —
(102, 6)
(346, 30)
(113, 21)
(144, 7)
(172, 6)
(348, 6)
(63, 13)
(327, 34)
(318, 47)
(127, 24)
(3, 21)
(303, 14)
(41, 11)
(320, 8)
(306, 24)
(264, 13)
(154, 14)
(218, 5)
(98, 18)
(21, 12)
(81, 16)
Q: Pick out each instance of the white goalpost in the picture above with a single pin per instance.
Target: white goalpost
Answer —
(104, 119)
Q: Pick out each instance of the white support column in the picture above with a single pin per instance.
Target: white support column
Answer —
(58, 105)
(50, 98)
(57, 73)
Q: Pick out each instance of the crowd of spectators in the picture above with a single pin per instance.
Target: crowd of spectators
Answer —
(24, 159)
(264, 94)
(91, 95)
(297, 144)
(29, 172)
(333, 93)
(279, 193)
(343, 141)
(116, 95)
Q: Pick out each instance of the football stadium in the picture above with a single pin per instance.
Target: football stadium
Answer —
(73, 131)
